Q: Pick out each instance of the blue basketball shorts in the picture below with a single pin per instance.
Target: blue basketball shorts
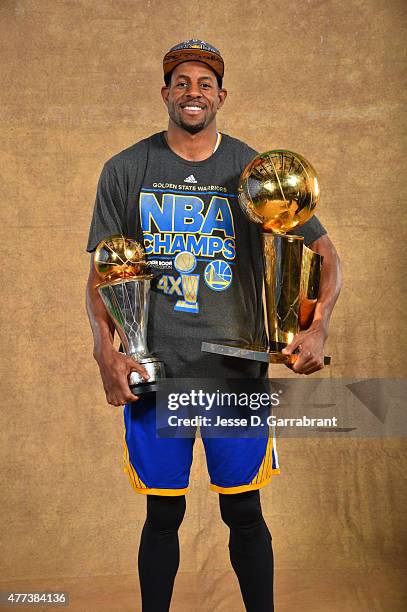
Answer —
(161, 466)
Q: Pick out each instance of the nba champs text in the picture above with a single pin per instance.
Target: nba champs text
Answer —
(196, 231)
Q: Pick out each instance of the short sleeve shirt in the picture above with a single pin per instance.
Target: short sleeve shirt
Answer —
(206, 254)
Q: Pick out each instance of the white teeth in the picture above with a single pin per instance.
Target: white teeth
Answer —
(192, 108)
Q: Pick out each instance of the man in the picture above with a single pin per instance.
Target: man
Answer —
(176, 192)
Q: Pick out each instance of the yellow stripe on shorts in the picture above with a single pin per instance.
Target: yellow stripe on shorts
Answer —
(138, 485)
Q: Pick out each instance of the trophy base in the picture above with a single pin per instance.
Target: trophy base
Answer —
(155, 369)
(145, 388)
(254, 352)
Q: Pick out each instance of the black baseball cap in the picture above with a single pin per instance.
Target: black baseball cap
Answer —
(194, 51)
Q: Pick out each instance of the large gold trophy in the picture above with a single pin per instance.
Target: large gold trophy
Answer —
(279, 190)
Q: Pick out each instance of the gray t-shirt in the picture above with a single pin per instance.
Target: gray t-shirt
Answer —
(204, 252)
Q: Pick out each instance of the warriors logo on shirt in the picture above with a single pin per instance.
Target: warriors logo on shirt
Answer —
(218, 275)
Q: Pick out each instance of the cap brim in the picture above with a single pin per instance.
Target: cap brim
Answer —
(173, 58)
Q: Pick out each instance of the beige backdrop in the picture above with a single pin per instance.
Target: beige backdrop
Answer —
(80, 81)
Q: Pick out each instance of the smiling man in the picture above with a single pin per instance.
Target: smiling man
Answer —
(176, 192)
(192, 112)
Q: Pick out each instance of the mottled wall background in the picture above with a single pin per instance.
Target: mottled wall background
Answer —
(80, 81)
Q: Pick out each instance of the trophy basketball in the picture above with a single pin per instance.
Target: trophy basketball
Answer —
(125, 288)
(279, 190)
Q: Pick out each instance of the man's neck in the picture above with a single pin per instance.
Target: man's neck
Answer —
(192, 147)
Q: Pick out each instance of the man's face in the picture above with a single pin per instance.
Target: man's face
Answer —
(193, 96)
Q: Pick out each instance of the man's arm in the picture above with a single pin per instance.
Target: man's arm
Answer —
(114, 367)
(311, 341)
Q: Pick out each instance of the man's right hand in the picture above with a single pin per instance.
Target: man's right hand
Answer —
(115, 369)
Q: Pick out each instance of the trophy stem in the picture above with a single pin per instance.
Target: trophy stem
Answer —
(127, 304)
(282, 257)
(291, 284)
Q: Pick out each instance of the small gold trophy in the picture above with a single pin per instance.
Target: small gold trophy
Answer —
(185, 263)
(279, 190)
(125, 288)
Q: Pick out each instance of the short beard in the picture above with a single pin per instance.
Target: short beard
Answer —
(192, 129)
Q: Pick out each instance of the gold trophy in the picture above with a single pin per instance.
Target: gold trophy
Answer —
(120, 263)
(185, 263)
(279, 189)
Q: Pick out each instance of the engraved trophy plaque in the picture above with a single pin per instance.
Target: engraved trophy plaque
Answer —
(125, 288)
(279, 189)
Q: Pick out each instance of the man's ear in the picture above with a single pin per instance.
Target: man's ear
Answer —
(165, 91)
(222, 97)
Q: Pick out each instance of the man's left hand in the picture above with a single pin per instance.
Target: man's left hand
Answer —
(311, 354)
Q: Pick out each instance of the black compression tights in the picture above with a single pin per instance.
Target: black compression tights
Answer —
(158, 557)
(250, 549)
